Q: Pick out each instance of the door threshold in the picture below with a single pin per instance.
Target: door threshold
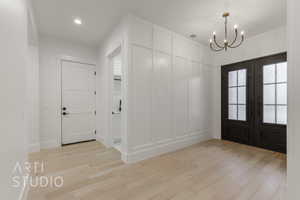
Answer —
(78, 142)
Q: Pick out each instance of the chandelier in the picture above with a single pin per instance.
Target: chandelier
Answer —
(215, 46)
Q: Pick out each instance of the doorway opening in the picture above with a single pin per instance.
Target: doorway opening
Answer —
(116, 108)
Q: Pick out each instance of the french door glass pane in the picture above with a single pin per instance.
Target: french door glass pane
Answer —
(232, 78)
(241, 95)
(232, 112)
(237, 81)
(269, 94)
(282, 72)
(242, 77)
(275, 93)
(242, 112)
(232, 95)
(269, 74)
(281, 114)
(282, 93)
(269, 114)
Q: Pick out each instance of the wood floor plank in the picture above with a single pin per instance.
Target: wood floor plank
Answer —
(211, 170)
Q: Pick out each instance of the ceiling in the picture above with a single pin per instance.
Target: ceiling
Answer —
(200, 17)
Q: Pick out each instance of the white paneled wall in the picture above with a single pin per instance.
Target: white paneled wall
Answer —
(161, 97)
(169, 91)
(195, 83)
(141, 97)
(180, 74)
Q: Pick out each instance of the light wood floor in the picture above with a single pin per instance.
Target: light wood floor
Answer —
(213, 170)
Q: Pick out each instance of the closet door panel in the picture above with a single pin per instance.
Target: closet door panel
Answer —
(161, 99)
(142, 73)
(195, 99)
(180, 96)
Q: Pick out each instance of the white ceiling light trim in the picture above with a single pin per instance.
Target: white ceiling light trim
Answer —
(77, 21)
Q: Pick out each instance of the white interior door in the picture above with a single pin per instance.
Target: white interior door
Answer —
(78, 102)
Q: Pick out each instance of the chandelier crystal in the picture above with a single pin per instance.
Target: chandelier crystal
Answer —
(215, 46)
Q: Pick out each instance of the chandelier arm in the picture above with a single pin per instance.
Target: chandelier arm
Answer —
(235, 38)
(216, 43)
(215, 46)
(239, 44)
(214, 49)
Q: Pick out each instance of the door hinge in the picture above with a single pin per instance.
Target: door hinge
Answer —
(95, 92)
(95, 132)
(95, 73)
(95, 112)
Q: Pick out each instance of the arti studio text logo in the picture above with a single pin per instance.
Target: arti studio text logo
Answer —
(28, 173)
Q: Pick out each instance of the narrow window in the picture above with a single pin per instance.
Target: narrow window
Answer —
(275, 93)
(237, 86)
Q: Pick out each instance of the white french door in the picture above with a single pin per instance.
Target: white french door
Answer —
(78, 108)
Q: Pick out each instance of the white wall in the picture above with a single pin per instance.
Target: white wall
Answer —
(264, 44)
(32, 99)
(32, 84)
(293, 100)
(169, 91)
(51, 49)
(271, 42)
(13, 59)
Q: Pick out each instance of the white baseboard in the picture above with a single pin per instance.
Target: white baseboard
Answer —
(49, 144)
(102, 141)
(36, 147)
(160, 148)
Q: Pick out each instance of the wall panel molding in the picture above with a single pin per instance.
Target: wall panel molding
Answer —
(169, 91)
(155, 149)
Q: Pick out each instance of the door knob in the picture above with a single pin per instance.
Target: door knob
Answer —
(65, 113)
(64, 108)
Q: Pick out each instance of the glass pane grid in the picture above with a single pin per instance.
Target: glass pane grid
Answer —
(277, 83)
(275, 93)
(237, 86)
(237, 95)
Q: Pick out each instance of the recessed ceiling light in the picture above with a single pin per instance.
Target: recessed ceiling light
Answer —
(77, 21)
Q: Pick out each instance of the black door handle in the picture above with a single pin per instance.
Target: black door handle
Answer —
(120, 105)
(65, 113)
(64, 108)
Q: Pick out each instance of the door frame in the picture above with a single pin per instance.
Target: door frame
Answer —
(114, 52)
(124, 94)
(60, 59)
(254, 103)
